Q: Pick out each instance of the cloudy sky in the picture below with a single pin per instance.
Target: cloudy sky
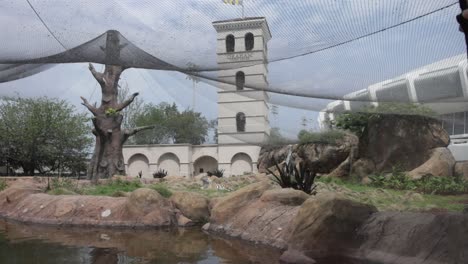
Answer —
(180, 32)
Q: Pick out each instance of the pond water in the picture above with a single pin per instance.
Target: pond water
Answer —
(26, 244)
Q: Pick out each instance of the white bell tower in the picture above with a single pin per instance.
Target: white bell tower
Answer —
(242, 56)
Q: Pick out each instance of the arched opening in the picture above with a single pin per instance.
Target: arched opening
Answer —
(240, 80)
(230, 43)
(249, 41)
(170, 163)
(204, 164)
(138, 163)
(240, 122)
(241, 163)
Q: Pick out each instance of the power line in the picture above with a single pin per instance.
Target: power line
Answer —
(369, 34)
(45, 25)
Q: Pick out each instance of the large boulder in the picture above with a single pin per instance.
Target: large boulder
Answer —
(461, 169)
(363, 167)
(414, 238)
(193, 205)
(230, 205)
(319, 157)
(326, 224)
(399, 140)
(150, 208)
(286, 196)
(440, 163)
(258, 214)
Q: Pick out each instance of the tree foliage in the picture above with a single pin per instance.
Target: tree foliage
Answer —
(172, 125)
(42, 134)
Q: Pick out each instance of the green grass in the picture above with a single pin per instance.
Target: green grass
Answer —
(112, 187)
(210, 193)
(162, 189)
(3, 184)
(401, 200)
(327, 137)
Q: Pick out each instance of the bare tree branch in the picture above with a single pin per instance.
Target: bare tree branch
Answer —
(130, 132)
(91, 108)
(97, 75)
(127, 102)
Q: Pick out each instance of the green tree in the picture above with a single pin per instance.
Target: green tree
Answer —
(172, 126)
(42, 134)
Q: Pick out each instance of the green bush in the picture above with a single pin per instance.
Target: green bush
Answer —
(327, 137)
(429, 184)
(162, 190)
(3, 184)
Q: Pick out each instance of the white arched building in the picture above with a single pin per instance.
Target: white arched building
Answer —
(242, 112)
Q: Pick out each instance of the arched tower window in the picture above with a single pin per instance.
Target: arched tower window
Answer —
(249, 41)
(240, 80)
(240, 122)
(230, 43)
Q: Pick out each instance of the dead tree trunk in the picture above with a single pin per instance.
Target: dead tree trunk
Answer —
(107, 159)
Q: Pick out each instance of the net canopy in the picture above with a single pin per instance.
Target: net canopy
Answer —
(328, 55)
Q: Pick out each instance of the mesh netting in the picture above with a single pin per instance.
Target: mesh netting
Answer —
(329, 56)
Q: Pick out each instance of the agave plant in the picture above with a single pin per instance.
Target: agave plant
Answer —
(299, 178)
(305, 179)
(160, 174)
(217, 172)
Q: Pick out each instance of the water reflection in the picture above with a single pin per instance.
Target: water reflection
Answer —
(21, 243)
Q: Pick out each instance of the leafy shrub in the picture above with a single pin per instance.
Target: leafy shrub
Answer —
(160, 174)
(218, 173)
(427, 184)
(328, 137)
(3, 184)
(297, 178)
(162, 190)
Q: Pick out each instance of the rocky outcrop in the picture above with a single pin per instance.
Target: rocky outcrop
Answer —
(415, 144)
(256, 214)
(440, 163)
(143, 208)
(327, 223)
(193, 205)
(318, 157)
(226, 208)
(330, 226)
(461, 169)
(363, 168)
(399, 140)
(290, 218)
(414, 238)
